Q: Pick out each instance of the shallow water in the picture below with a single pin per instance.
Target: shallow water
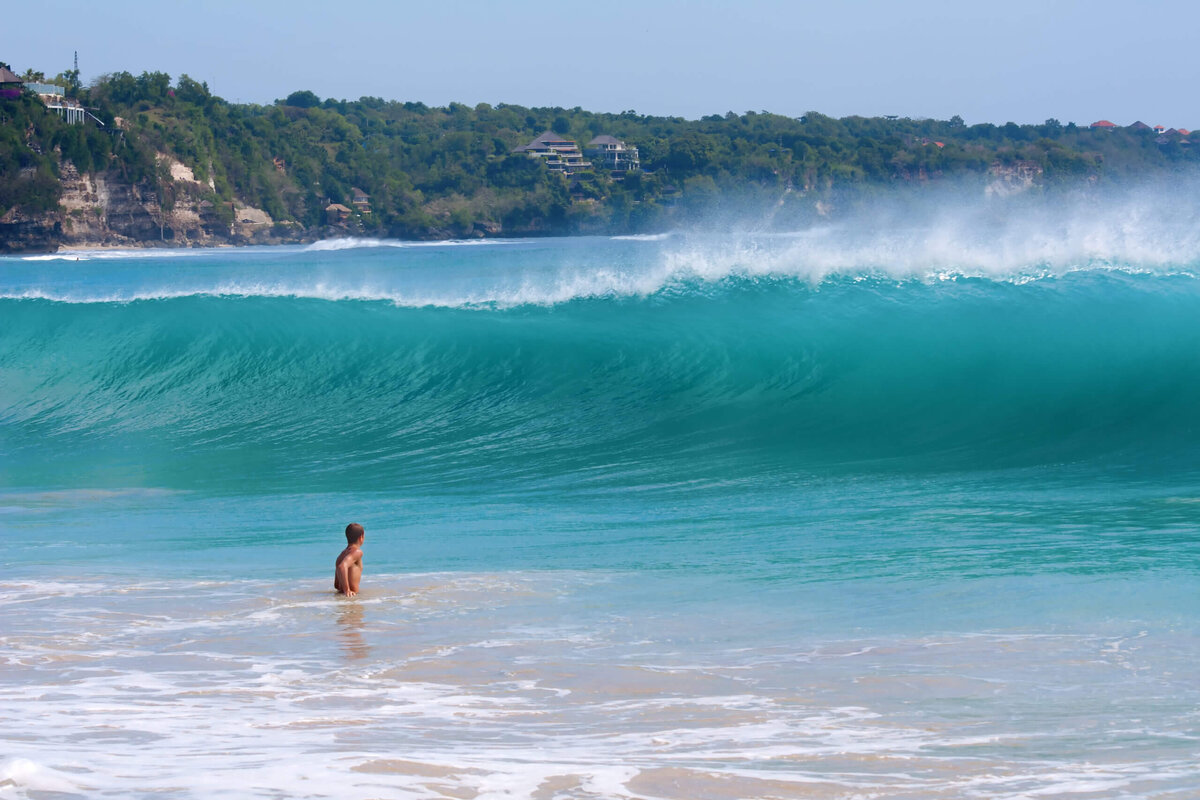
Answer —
(522, 684)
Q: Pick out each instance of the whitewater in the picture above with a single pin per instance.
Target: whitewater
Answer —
(894, 507)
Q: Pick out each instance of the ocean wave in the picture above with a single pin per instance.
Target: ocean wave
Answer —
(1013, 248)
(952, 246)
(123, 254)
(728, 378)
(681, 273)
(644, 237)
(359, 243)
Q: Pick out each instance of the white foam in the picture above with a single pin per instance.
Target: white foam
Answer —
(34, 591)
(18, 776)
(356, 243)
(946, 242)
(121, 254)
(644, 237)
(494, 684)
(704, 265)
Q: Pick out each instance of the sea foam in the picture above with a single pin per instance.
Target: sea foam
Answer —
(359, 243)
(480, 684)
(1014, 242)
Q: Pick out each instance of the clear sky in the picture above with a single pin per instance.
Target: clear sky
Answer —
(1017, 60)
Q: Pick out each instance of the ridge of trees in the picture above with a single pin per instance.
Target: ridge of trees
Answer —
(449, 171)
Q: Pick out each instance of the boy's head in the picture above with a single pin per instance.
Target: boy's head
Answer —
(355, 533)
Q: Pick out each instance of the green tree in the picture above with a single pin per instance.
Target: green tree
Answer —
(689, 152)
(69, 79)
(189, 91)
(302, 99)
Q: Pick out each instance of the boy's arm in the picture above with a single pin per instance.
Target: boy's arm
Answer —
(343, 576)
(353, 575)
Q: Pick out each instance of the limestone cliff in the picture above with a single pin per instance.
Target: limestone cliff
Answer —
(103, 210)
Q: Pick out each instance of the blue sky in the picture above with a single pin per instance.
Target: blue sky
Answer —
(1017, 61)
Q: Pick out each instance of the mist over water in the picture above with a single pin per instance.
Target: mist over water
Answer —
(896, 505)
(927, 234)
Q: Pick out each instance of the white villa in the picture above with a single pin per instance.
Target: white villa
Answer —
(613, 154)
(560, 155)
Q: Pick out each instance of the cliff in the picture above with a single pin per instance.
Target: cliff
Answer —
(105, 210)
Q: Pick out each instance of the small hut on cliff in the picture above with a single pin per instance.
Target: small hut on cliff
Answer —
(336, 213)
(10, 84)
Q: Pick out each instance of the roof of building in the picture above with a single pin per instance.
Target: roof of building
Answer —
(604, 138)
(1102, 124)
(1140, 126)
(338, 207)
(8, 76)
(547, 139)
(358, 192)
(1185, 131)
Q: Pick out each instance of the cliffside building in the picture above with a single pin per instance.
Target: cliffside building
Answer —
(54, 98)
(559, 154)
(336, 214)
(614, 155)
(1172, 135)
(10, 84)
(360, 200)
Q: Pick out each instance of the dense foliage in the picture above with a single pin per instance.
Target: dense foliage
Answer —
(450, 171)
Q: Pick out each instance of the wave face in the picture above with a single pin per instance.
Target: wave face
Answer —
(691, 378)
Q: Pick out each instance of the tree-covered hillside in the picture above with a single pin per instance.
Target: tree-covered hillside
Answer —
(436, 172)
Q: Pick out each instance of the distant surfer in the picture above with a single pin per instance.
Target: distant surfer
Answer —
(348, 568)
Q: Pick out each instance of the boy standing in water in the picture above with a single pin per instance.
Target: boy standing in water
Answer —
(348, 568)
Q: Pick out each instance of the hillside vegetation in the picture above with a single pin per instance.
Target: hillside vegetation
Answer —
(449, 172)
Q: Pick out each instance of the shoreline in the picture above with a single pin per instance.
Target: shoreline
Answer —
(95, 247)
(92, 246)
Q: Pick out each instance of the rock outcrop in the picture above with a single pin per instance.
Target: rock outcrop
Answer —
(20, 233)
(1009, 179)
(104, 210)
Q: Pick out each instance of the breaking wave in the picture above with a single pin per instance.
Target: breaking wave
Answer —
(701, 379)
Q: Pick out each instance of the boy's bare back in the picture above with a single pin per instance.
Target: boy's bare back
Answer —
(347, 569)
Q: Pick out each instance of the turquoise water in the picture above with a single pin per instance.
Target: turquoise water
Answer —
(865, 513)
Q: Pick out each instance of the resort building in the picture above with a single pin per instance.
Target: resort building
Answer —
(54, 98)
(1105, 124)
(559, 154)
(1172, 135)
(613, 154)
(360, 200)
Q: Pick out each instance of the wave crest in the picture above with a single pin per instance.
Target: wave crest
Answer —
(369, 243)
